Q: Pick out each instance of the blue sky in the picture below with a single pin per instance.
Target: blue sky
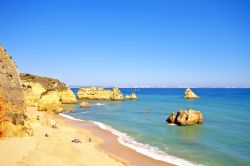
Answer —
(128, 42)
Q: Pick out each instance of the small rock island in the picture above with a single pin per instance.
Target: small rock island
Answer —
(84, 105)
(132, 96)
(189, 94)
(185, 117)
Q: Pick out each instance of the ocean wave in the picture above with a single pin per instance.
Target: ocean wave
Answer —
(145, 149)
(172, 124)
(70, 117)
(100, 104)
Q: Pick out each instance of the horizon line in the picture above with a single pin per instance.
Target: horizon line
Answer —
(169, 87)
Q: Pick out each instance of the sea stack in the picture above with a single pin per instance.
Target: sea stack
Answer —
(186, 117)
(132, 96)
(171, 118)
(12, 107)
(189, 94)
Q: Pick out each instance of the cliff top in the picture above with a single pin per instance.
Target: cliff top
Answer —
(46, 82)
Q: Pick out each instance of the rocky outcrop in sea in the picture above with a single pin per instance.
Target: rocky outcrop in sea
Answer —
(13, 121)
(189, 94)
(132, 96)
(186, 117)
(84, 105)
(94, 93)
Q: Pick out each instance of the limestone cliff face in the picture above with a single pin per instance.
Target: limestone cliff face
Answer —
(12, 108)
(100, 94)
(32, 93)
(67, 97)
(189, 94)
(50, 103)
(46, 93)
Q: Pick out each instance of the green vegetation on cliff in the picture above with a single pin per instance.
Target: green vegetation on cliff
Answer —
(46, 82)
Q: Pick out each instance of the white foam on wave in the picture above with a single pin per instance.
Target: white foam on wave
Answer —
(99, 104)
(70, 117)
(172, 124)
(145, 149)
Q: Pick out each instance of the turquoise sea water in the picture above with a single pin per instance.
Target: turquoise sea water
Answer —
(223, 139)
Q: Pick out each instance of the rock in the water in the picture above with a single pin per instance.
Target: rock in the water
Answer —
(100, 94)
(189, 94)
(132, 96)
(116, 94)
(84, 105)
(171, 118)
(12, 108)
(186, 117)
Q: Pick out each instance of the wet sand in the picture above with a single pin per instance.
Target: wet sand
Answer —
(110, 144)
(53, 146)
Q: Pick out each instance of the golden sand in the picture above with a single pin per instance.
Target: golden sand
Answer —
(98, 147)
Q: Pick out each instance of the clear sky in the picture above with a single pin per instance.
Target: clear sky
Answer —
(128, 42)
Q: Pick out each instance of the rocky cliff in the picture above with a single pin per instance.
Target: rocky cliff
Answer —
(47, 94)
(189, 94)
(100, 94)
(186, 117)
(12, 108)
(50, 102)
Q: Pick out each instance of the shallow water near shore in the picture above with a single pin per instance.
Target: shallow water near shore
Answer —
(223, 139)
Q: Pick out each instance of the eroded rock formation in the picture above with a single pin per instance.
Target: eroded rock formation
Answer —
(132, 96)
(189, 94)
(99, 94)
(46, 93)
(12, 108)
(84, 105)
(186, 117)
(50, 102)
(171, 118)
(32, 93)
(67, 97)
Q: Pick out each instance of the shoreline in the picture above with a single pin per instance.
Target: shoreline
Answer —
(136, 152)
(108, 143)
(102, 144)
(53, 145)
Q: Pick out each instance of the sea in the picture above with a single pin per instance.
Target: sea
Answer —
(222, 140)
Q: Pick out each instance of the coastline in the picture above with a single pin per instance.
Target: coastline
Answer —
(108, 143)
(53, 146)
(97, 147)
(116, 143)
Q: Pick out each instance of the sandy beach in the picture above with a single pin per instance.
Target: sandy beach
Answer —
(54, 145)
